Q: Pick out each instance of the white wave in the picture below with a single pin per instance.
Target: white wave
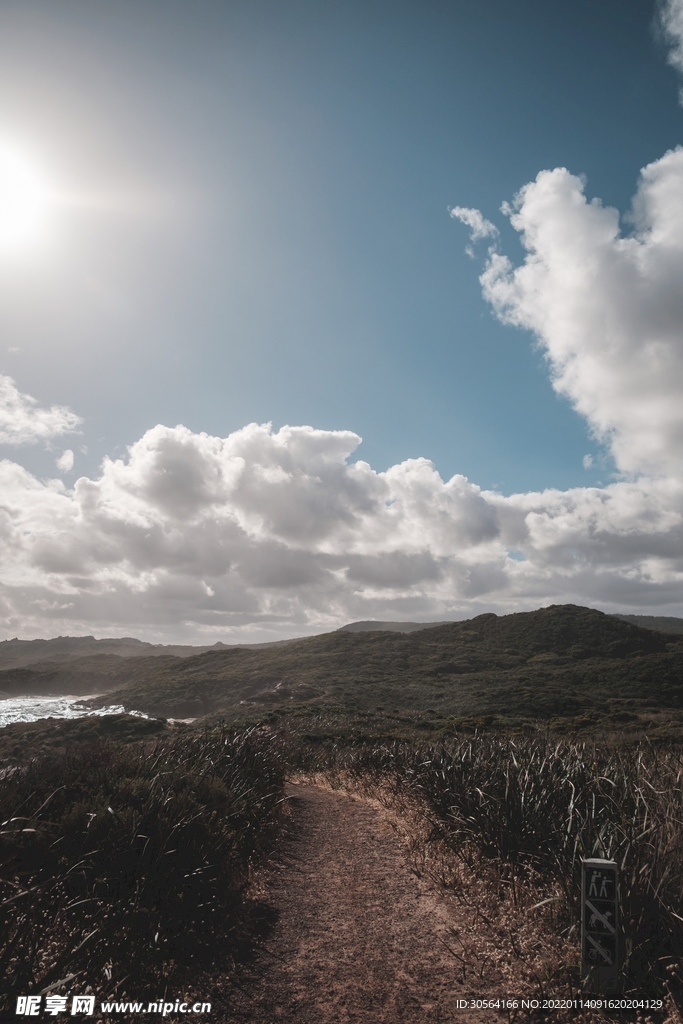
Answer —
(31, 709)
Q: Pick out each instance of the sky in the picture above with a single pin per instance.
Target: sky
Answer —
(314, 311)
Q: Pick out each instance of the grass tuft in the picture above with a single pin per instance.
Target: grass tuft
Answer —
(538, 807)
(123, 867)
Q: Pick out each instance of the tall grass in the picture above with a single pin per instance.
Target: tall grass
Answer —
(533, 802)
(121, 868)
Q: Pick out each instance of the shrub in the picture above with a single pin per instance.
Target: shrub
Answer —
(124, 866)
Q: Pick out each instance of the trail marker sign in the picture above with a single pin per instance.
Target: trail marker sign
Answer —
(599, 926)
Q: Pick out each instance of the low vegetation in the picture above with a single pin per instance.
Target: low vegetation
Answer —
(125, 866)
(127, 845)
(558, 663)
(538, 807)
(25, 741)
(663, 623)
(97, 673)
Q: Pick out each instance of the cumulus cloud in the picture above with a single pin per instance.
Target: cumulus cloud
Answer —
(272, 533)
(65, 462)
(606, 306)
(266, 533)
(474, 219)
(671, 20)
(23, 421)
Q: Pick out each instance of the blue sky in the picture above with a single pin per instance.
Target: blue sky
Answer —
(253, 226)
(304, 268)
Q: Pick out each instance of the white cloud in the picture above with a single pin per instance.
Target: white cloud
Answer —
(475, 221)
(607, 307)
(23, 421)
(266, 533)
(65, 462)
(671, 20)
(273, 533)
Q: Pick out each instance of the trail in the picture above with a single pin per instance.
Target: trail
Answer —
(359, 937)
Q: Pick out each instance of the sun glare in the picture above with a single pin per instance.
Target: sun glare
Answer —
(24, 201)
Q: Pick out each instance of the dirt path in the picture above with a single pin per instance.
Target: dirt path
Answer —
(359, 937)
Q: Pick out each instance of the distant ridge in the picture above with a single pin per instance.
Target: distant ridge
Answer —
(371, 626)
(661, 623)
(63, 649)
(561, 661)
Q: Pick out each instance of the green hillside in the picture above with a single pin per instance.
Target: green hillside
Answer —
(559, 662)
(96, 674)
(62, 650)
(662, 623)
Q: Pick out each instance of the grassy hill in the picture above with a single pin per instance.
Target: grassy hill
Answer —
(562, 662)
(372, 625)
(79, 676)
(67, 649)
(662, 623)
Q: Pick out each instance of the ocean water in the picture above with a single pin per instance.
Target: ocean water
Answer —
(30, 709)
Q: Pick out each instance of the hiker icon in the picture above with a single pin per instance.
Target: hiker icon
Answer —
(603, 880)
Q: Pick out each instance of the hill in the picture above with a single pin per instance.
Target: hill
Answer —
(563, 661)
(79, 676)
(80, 664)
(371, 626)
(662, 623)
(63, 649)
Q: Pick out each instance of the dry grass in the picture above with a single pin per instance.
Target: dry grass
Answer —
(125, 868)
(502, 826)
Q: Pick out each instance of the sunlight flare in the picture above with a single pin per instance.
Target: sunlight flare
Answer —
(24, 200)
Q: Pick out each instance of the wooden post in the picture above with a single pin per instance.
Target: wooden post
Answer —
(599, 926)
